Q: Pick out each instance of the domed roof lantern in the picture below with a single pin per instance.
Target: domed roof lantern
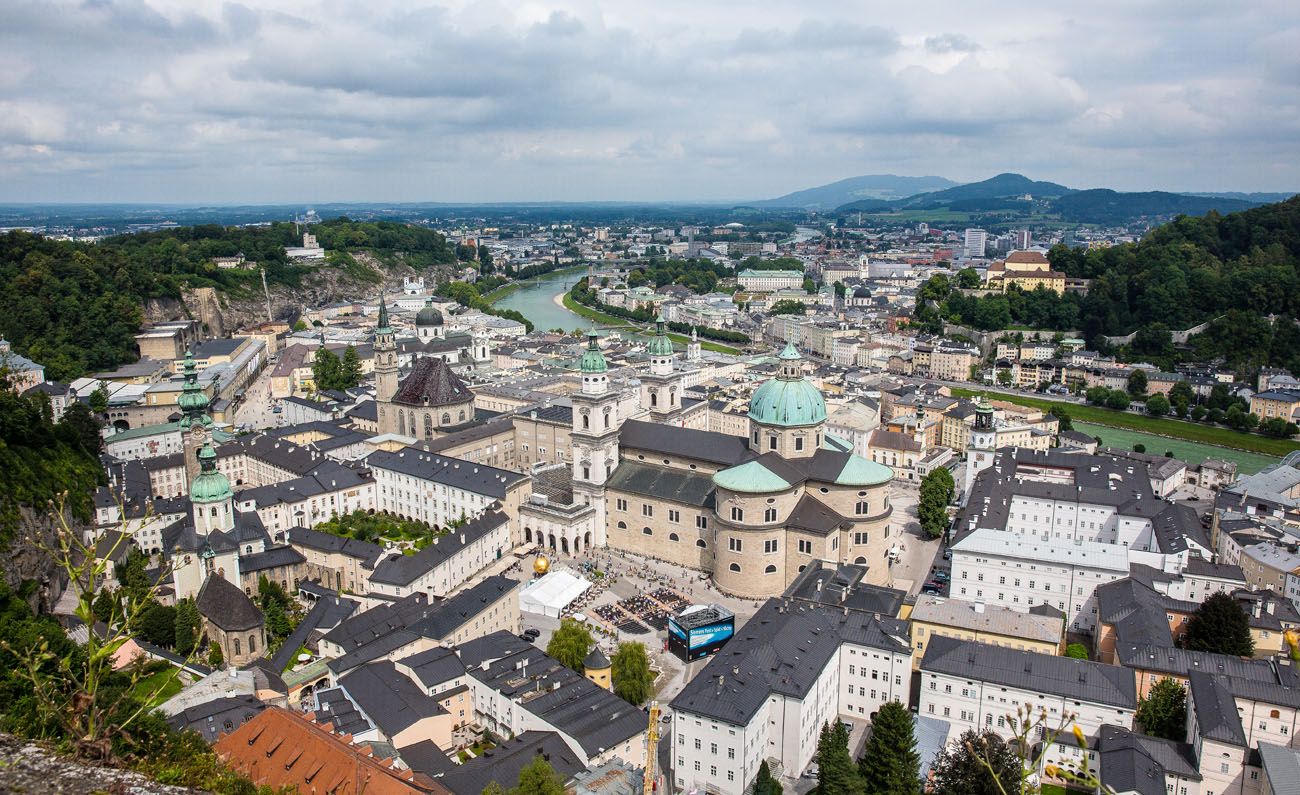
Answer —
(428, 316)
(592, 361)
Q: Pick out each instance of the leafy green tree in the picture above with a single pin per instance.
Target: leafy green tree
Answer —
(936, 493)
(1139, 448)
(1219, 397)
(1220, 625)
(836, 773)
(890, 764)
(493, 788)
(157, 625)
(787, 306)
(1137, 383)
(538, 778)
(840, 292)
(1163, 712)
(1004, 377)
(1198, 413)
(1077, 651)
(1278, 428)
(1117, 399)
(1097, 395)
(215, 657)
(959, 768)
(351, 367)
(326, 370)
(98, 400)
(1181, 391)
(84, 427)
(1063, 419)
(300, 325)
(809, 286)
(764, 783)
(968, 278)
(107, 606)
(188, 626)
(570, 644)
(631, 673)
(1157, 405)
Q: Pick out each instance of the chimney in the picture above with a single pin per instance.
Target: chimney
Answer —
(978, 606)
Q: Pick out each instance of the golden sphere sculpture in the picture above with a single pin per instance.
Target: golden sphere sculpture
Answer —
(541, 565)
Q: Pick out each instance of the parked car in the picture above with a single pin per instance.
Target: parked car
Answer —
(932, 588)
(942, 576)
(532, 633)
(947, 554)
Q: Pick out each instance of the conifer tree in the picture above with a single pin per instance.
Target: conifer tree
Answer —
(890, 764)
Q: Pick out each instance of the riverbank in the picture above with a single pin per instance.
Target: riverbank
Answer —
(1157, 426)
(565, 300)
(507, 289)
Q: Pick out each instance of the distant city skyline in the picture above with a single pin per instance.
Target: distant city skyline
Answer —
(176, 101)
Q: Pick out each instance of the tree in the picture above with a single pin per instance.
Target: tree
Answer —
(958, 769)
(631, 672)
(1139, 448)
(1137, 383)
(968, 278)
(493, 788)
(764, 784)
(300, 325)
(1117, 399)
(351, 367)
(157, 625)
(809, 286)
(1181, 391)
(890, 764)
(840, 292)
(936, 492)
(1198, 413)
(1163, 712)
(1219, 625)
(84, 427)
(188, 625)
(570, 644)
(538, 778)
(836, 773)
(1157, 405)
(107, 606)
(1063, 419)
(1097, 395)
(1077, 651)
(98, 400)
(1004, 378)
(787, 306)
(215, 657)
(1278, 428)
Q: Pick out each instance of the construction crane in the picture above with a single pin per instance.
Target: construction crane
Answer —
(652, 751)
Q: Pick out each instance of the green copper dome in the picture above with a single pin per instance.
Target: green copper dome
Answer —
(788, 399)
(428, 316)
(592, 361)
(210, 485)
(750, 478)
(660, 345)
(192, 402)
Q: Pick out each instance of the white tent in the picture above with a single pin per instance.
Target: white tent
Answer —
(552, 593)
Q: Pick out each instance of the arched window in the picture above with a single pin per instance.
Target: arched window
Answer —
(252, 644)
(860, 560)
(428, 426)
(734, 567)
(446, 418)
(462, 415)
(769, 515)
(654, 398)
(755, 437)
(237, 652)
(401, 424)
(622, 525)
(1274, 714)
(528, 535)
(586, 422)
(647, 531)
(606, 419)
(771, 569)
(586, 473)
(862, 508)
(700, 543)
(673, 537)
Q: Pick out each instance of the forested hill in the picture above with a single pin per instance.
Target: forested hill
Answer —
(1194, 269)
(75, 307)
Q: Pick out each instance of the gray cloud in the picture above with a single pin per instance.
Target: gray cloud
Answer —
(474, 100)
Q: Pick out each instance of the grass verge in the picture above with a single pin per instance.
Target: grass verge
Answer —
(1159, 426)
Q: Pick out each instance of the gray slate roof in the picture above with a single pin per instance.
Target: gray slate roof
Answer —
(1216, 709)
(665, 483)
(1080, 680)
(392, 701)
(402, 570)
(715, 448)
(224, 604)
(431, 382)
(452, 472)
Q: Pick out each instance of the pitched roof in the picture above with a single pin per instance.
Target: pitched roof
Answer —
(1216, 709)
(226, 605)
(400, 569)
(431, 382)
(714, 448)
(279, 749)
(1080, 680)
(675, 485)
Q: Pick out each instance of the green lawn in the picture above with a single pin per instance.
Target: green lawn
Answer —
(152, 682)
(1054, 789)
(1191, 452)
(1158, 426)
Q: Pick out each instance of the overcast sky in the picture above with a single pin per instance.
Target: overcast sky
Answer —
(393, 100)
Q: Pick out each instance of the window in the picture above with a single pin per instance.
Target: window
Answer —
(737, 514)
(771, 569)
(674, 516)
(586, 473)
(700, 543)
(620, 504)
(734, 567)
(647, 510)
(771, 442)
(702, 522)
(798, 443)
(805, 547)
(735, 545)
(647, 531)
(697, 747)
(862, 508)
(769, 515)
(673, 537)
(861, 538)
(769, 546)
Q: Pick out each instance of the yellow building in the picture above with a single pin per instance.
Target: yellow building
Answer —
(1042, 632)
(1028, 270)
(1276, 403)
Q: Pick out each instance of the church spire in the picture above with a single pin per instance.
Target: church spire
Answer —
(193, 402)
(382, 326)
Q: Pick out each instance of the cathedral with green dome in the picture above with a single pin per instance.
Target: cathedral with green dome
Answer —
(751, 512)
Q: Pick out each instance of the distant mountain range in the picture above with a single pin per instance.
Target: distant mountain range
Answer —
(886, 187)
(1015, 194)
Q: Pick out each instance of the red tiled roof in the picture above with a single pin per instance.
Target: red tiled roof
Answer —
(280, 749)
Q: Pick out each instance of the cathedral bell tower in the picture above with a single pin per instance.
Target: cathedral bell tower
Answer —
(196, 425)
(661, 387)
(594, 435)
(983, 443)
(385, 370)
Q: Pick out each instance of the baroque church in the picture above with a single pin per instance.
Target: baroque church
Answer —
(751, 512)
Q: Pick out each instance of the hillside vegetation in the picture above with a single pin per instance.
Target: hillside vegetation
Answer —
(75, 307)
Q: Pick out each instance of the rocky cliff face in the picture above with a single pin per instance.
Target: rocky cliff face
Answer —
(25, 559)
(30, 768)
(223, 313)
